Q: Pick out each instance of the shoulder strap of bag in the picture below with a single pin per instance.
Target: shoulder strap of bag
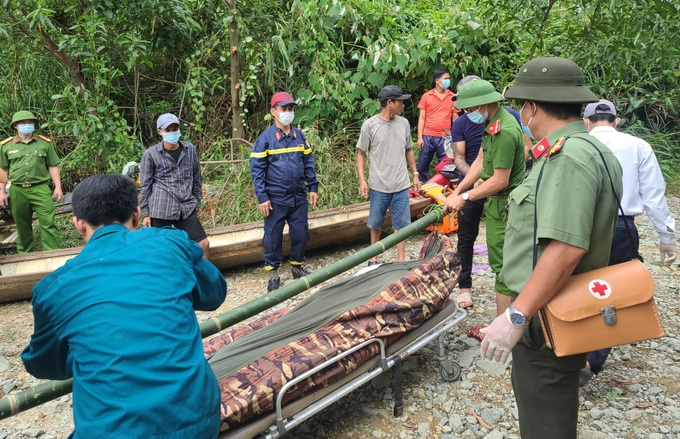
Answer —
(611, 182)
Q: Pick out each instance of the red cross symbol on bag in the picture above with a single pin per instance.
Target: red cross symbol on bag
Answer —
(600, 289)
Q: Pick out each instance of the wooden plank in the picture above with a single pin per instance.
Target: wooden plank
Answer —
(230, 246)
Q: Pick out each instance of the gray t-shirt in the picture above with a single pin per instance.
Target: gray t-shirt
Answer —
(386, 143)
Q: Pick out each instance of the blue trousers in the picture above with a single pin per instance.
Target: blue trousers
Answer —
(431, 145)
(298, 232)
(622, 251)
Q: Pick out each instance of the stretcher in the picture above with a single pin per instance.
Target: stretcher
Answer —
(287, 366)
(286, 417)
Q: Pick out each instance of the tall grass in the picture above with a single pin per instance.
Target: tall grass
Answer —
(230, 195)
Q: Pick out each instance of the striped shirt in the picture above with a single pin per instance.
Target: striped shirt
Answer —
(170, 189)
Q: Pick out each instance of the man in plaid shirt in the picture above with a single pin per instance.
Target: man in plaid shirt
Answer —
(170, 189)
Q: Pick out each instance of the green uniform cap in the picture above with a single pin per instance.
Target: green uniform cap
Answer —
(22, 115)
(550, 79)
(476, 93)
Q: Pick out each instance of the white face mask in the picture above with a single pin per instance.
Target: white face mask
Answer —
(286, 117)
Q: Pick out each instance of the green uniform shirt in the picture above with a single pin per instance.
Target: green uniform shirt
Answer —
(28, 162)
(575, 205)
(503, 146)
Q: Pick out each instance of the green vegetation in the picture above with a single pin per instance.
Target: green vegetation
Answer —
(99, 73)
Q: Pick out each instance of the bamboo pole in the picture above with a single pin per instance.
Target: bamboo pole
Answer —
(23, 400)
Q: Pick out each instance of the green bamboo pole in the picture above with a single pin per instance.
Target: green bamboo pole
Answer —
(18, 402)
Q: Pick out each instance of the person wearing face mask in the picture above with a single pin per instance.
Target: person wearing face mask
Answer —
(29, 162)
(436, 114)
(283, 171)
(500, 164)
(643, 191)
(170, 177)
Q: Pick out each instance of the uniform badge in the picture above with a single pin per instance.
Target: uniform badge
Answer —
(540, 148)
(494, 128)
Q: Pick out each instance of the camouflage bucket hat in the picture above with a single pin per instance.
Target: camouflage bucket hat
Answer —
(476, 93)
(550, 79)
(22, 115)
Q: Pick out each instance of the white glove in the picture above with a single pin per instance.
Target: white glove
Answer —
(668, 253)
(499, 339)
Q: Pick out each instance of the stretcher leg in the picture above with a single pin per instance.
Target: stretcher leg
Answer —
(449, 370)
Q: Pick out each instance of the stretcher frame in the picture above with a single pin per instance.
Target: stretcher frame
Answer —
(277, 423)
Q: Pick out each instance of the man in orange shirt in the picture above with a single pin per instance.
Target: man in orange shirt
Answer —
(436, 115)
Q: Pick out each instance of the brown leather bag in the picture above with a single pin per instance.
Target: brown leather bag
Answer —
(602, 308)
(607, 307)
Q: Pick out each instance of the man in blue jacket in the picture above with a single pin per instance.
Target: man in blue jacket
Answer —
(283, 171)
(119, 319)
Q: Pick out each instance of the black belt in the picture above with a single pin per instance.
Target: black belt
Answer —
(503, 193)
(627, 217)
(27, 185)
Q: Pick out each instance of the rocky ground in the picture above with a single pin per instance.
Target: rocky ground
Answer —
(636, 396)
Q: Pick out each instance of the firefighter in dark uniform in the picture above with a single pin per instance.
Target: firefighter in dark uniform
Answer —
(30, 161)
(283, 171)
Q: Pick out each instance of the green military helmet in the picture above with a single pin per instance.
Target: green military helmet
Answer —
(552, 80)
(22, 115)
(476, 93)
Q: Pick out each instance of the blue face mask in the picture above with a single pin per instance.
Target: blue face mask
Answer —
(478, 117)
(525, 128)
(172, 137)
(26, 128)
(446, 83)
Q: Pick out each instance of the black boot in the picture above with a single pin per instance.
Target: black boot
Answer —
(298, 271)
(274, 281)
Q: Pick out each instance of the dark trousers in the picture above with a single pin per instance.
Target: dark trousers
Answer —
(298, 232)
(468, 230)
(431, 146)
(622, 251)
(545, 386)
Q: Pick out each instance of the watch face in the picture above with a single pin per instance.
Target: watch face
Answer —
(517, 318)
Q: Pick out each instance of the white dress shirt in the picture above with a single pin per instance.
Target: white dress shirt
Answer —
(643, 185)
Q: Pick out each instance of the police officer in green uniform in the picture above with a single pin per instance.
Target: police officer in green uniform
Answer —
(500, 165)
(31, 162)
(575, 217)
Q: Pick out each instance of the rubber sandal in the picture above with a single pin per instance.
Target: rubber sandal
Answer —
(464, 300)
(475, 332)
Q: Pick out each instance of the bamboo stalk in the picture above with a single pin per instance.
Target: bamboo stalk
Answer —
(23, 400)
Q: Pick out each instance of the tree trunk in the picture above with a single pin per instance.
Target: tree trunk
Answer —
(236, 109)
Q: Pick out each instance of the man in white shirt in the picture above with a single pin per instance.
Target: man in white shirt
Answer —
(643, 190)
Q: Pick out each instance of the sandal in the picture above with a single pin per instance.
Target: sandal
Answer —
(475, 332)
(464, 300)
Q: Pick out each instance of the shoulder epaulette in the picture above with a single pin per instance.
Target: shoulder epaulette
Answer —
(46, 139)
(6, 140)
(494, 128)
(557, 146)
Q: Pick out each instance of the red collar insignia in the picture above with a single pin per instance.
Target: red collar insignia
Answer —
(540, 148)
(278, 136)
(494, 128)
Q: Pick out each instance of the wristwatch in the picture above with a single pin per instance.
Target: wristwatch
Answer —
(465, 196)
(516, 318)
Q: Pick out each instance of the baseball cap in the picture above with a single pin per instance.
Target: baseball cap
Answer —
(550, 79)
(392, 92)
(478, 92)
(165, 120)
(602, 106)
(282, 98)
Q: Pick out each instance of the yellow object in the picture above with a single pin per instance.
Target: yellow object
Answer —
(439, 193)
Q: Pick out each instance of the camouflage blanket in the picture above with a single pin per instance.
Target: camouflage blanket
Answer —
(392, 310)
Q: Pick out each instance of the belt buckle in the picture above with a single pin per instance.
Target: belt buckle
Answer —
(25, 184)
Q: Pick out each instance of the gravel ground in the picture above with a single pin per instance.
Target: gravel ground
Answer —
(637, 395)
